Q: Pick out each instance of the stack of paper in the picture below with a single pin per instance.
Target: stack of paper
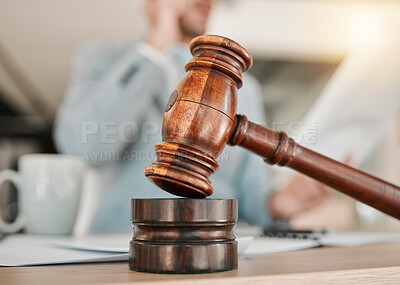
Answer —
(25, 250)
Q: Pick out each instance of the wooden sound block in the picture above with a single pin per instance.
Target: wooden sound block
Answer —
(183, 236)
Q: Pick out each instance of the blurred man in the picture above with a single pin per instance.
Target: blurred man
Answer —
(113, 109)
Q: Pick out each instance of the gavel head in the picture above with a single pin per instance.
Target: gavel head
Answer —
(199, 118)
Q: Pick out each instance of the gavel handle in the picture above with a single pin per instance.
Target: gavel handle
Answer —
(278, 148)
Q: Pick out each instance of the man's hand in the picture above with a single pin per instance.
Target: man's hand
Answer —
(165, 16)
(302, 193)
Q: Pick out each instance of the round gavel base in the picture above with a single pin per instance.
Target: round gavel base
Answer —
(183, 236)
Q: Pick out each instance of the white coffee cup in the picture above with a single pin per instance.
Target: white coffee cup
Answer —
(49, 190)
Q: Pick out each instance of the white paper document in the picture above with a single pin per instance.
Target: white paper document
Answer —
(264, 245)
(25, 250)
(349, 238)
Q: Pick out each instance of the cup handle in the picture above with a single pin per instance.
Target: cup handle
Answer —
(19, 223)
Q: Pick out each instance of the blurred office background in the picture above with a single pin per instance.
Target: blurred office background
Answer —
(297, 45)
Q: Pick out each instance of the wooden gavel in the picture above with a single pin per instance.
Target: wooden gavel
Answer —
(200, 119)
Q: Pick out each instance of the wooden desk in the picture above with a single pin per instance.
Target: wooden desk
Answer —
(365, 264)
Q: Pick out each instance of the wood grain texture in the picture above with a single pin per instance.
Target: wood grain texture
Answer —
(372, 264)
(198, 117)
(201, 119)
(184, 236)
